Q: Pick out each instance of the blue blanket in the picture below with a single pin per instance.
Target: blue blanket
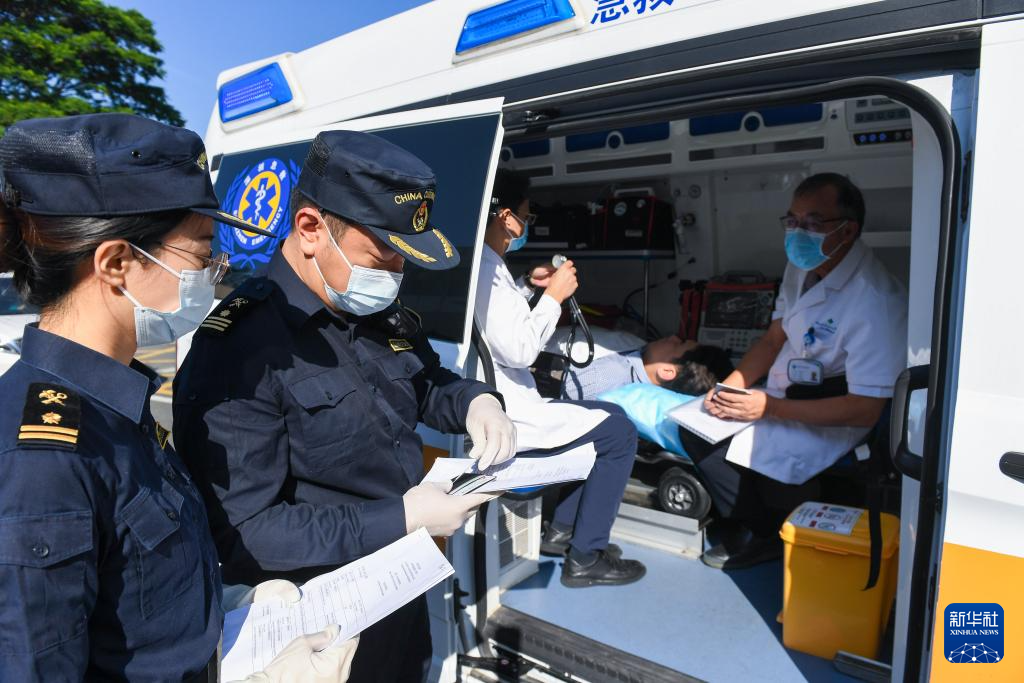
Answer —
(646, 405)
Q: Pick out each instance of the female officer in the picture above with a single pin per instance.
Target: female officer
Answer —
(107, 569)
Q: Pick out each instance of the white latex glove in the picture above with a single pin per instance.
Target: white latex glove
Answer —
(275, 589)
(493, 434)
(310, 659)
(429, 506)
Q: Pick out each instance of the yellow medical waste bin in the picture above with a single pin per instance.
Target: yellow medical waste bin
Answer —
(827, 556)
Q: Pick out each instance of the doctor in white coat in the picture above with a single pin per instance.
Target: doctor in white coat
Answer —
(516, 334)
(836, 345)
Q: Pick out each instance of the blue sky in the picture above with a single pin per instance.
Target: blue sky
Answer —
(201, 38)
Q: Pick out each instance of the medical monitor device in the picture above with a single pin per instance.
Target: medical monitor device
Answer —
(736, 315)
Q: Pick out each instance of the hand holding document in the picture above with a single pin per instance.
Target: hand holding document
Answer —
(353, 597)
(520, 472)
(694, 417)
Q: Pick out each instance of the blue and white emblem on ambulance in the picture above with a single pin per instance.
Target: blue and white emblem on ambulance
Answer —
(259, 195)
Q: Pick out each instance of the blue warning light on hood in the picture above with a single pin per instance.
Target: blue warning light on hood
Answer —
(254, 92)
(510, 19)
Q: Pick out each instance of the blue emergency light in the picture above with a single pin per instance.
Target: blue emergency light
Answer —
(254, 92)
(510, 19)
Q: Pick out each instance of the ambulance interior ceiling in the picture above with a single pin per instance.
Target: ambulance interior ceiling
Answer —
(727, 178)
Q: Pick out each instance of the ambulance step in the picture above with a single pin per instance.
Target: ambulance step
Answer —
(569, 656)
(659, 530)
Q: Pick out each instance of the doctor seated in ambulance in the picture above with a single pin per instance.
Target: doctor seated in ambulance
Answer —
(837, 343)
(516, 335)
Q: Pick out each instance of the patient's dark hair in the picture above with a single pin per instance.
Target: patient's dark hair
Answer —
(849, 199)
(510, 189)
(699, 369)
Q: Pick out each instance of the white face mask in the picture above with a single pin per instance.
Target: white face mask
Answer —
(369, 290)
(195, 299)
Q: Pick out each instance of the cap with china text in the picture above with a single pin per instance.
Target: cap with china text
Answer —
(369, 181)
(107, 165)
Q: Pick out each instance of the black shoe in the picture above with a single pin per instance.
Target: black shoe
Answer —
(743, 549)
(556, 543)
(606, 570)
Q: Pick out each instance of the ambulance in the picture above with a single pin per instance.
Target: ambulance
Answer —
(701, 117)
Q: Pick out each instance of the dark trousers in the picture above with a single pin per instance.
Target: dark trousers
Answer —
(589, 507)
(397, 649)
(739, 493)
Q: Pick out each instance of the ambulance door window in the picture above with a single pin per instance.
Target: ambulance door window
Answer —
(459, 142)
(459, 152)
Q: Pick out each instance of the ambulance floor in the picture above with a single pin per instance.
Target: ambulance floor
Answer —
(710, 624)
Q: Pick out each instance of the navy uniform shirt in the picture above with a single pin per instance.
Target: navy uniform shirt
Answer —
(299, 427)
(107, 568)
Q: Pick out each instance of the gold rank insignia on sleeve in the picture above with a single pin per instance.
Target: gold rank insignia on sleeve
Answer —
(221, 319)
(399, 345)
(51, 418)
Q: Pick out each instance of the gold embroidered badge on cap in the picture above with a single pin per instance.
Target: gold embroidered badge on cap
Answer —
(408, 249)
(448, 251)
(420, 218)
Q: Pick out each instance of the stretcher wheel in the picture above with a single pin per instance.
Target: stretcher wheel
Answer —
(680, 493)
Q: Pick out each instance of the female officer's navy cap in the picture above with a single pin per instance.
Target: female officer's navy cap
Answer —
(367, 180)
(107, 165)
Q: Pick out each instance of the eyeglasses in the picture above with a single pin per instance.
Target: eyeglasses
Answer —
(217, 265)
(811, 224)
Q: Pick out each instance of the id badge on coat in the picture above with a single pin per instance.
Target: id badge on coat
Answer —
(806, 371)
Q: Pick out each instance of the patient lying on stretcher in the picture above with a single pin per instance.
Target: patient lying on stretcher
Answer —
(620, 358)
(646, 380)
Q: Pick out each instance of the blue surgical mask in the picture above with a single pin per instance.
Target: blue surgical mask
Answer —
(803, 248)
(195, 299)
(369, 290)
(518, 242)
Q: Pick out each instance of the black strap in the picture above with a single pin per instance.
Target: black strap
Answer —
(876, 475)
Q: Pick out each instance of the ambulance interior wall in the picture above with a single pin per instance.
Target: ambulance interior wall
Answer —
(736, 225)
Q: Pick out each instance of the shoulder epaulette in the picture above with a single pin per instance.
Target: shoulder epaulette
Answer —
(400, 325)
(51, 418)
(235, 306)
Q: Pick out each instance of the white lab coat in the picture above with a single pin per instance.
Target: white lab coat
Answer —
(859, 316)
(516, 335)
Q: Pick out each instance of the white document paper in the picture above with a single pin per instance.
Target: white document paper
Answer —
(695, 418)
(520, 472)
(354, 597)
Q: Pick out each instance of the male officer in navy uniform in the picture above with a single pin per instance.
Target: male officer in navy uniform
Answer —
(296, 407)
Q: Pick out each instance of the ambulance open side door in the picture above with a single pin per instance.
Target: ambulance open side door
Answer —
(978, 559)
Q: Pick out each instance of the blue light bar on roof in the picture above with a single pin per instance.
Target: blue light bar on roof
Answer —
(254, 92)
(510, 19)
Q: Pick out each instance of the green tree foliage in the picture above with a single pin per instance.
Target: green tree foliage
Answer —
(60, 57)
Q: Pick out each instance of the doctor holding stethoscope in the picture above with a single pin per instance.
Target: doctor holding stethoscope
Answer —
(516, 334)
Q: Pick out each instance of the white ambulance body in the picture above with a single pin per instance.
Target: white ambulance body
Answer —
(717, 108)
